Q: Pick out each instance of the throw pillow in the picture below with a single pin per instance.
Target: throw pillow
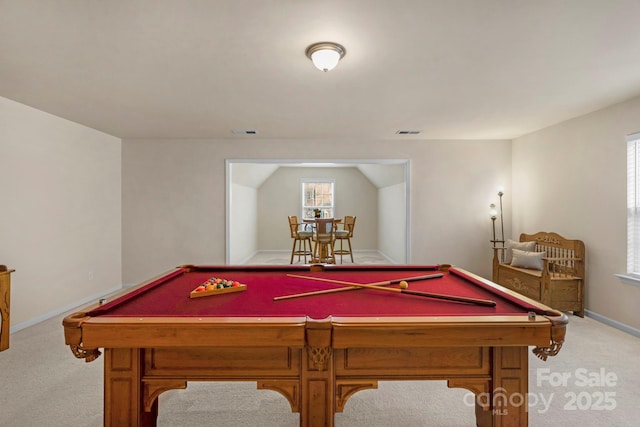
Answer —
(512, 244)
(524, 259)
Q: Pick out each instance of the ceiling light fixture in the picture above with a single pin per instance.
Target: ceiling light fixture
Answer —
(325, 55)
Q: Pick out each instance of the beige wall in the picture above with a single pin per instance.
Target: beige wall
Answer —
(60, 212)
(174, 194)
(571, 179)
(392, 222)
(173, 206)
(243, 224)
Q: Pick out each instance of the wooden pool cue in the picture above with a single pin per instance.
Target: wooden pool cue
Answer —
(351, 288)
(476, 301)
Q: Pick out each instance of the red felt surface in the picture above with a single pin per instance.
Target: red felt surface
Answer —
(169, 296)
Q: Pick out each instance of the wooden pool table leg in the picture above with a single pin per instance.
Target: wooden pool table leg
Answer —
(318, 383)
(509, 389)
(123, 389)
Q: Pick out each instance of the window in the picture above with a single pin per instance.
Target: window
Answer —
(317, 198)
(633, 204)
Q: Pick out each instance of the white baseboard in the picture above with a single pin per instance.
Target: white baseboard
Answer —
(69, 307)
(382, 254)
(248, 257)
(288, 251)
(613, 323)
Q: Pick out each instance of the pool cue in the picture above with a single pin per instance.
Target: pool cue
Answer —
(351, 288)
(476, 301)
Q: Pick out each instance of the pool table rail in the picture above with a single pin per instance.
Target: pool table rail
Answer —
(558, 320)
(85, 334)
(450, 331)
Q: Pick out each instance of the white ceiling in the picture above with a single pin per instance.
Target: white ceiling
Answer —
(468, 69)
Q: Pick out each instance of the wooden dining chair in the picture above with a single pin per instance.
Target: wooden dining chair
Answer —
(301, 238)
(323, 238)
(346, 233)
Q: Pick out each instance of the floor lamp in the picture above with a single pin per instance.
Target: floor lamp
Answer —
(494, 215)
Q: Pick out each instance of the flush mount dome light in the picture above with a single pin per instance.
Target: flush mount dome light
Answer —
(325, 55)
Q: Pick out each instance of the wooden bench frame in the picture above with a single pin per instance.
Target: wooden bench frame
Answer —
(560, 283)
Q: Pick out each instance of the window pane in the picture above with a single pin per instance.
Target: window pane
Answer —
(317, 195)
(633, 204)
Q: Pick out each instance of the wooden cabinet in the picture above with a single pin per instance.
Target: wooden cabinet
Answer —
(5, 300)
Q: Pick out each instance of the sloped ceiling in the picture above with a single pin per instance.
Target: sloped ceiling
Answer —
(252, 174)
(382, 174)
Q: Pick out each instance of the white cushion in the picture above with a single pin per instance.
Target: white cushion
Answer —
(342, 233)
(525, 259)
(523, 246)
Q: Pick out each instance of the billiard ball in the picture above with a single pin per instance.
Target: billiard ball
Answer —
(403, 284)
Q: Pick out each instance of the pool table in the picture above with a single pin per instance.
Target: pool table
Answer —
(316, 350)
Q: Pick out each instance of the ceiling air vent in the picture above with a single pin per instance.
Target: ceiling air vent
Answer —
(244, 132)
(408, 132)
